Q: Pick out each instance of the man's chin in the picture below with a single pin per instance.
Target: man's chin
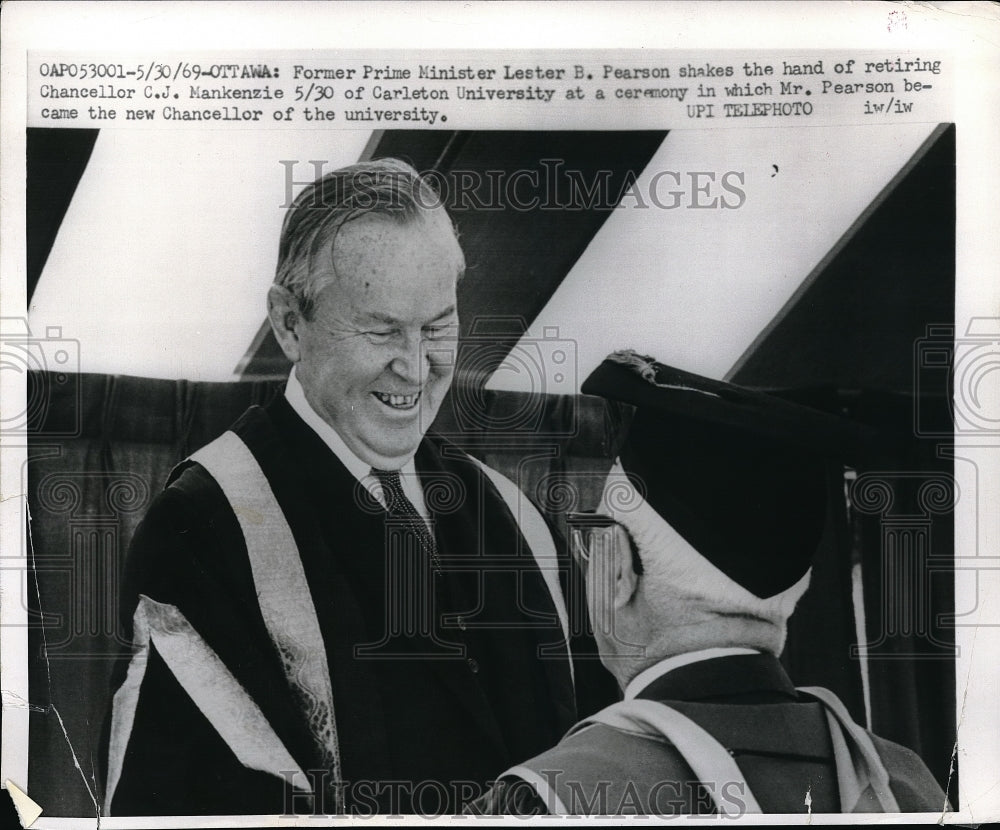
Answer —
(391, 440)
(392, 454)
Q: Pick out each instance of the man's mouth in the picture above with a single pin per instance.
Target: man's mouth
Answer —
(398, 401)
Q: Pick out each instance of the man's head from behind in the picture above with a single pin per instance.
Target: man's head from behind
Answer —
(714, 510)
(364, 305)
(651, 594)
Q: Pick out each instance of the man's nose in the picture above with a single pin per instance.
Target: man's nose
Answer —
(411, 362)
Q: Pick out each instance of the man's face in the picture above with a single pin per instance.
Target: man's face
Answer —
(368, 362)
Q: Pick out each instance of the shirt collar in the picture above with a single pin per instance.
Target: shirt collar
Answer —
(668, 664)
(361, 470)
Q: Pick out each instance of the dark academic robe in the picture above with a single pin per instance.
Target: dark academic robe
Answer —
(425, 719)
(778, 738)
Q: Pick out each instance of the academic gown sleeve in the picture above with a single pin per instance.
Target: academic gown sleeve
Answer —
(186, 552)
(508, 797)
(915, 788)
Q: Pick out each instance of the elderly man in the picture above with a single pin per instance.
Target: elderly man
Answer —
(694, 563)
(332, 611)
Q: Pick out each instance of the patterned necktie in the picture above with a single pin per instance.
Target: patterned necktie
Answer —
(400, 507)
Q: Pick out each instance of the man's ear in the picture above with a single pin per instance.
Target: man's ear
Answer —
(626, 579)
(284, 316)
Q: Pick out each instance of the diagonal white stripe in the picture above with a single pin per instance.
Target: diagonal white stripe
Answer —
(214, 690)
(863, 762)
(282, 591)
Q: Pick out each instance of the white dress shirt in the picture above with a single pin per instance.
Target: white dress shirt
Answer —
(668, 664)
(361, 470)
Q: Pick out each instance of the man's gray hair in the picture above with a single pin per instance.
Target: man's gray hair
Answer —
(383, 187)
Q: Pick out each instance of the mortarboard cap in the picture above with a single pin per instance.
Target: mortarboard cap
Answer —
(740, 474)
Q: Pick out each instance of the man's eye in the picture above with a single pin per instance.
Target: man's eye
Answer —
(436, 332)
(379, 336)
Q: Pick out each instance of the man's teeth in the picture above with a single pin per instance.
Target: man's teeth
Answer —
(401, 401)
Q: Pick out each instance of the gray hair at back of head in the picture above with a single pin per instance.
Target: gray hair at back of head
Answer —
(383, 187)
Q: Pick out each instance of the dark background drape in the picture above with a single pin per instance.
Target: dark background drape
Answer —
(118, 437)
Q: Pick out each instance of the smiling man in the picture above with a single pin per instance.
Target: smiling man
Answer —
(331, 610)
(359, 321)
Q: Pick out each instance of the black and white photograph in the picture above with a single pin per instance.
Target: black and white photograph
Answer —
(448, 412)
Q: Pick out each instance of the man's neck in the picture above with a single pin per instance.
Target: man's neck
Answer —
(361, 470)
(296, 397)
